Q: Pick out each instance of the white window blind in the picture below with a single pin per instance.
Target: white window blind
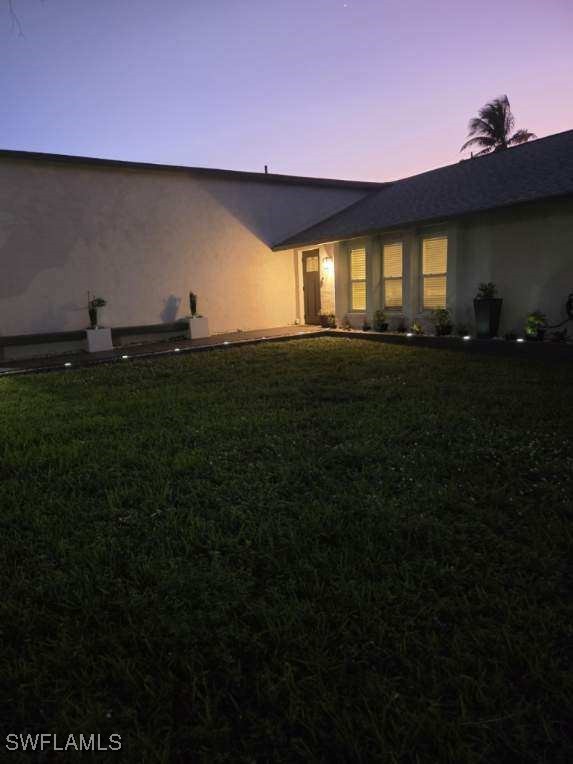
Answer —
(434, 272)
(358, 279)
(392, 267)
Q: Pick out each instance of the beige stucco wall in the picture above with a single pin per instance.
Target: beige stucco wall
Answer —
(526, 251)
(142, 239)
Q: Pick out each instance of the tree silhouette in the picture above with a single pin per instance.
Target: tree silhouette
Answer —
(492, 129)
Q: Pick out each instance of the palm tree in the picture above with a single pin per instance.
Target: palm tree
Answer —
(491, 130)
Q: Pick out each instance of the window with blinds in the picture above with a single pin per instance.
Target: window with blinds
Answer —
(358, 279)
(434, 272)
(392, 270)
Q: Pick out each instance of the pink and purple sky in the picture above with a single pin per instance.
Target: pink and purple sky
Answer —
(366, 89)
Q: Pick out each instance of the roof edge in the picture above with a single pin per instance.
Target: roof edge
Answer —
(260, 177)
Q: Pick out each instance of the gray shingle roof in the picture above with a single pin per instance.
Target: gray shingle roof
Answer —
(537, 170)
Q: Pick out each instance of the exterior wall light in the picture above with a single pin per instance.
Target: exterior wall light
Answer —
(328, 265)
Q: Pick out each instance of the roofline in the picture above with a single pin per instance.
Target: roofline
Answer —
(260, 177)
(284, 246)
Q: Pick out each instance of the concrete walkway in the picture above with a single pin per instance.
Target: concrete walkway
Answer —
(158, 348)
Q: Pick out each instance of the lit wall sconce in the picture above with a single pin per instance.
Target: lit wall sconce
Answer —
(328, 266)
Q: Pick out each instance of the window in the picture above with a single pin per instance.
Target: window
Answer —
(392, 273)
(358, 279)
(311, 263)
(434, 272)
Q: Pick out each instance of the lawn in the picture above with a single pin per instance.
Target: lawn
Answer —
(321, 550)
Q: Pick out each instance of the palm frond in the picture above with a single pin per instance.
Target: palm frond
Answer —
(521, 136)
(480, 140)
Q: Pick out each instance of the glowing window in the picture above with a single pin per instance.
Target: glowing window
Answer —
(392, 265)
(434, 272)
(358, 279)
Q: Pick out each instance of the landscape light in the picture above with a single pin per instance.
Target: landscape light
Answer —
(409, 334)
(520, 339)
(176, 350)
(67, 364)
(125, 357)
(226, 342)
(467, 337)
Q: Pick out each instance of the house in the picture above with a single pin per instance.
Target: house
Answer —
(264, 250)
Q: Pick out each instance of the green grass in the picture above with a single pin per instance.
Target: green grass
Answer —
(323, 550)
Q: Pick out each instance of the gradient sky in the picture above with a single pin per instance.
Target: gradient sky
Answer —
(367, 89)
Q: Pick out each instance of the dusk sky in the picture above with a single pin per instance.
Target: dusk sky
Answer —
(367, 89)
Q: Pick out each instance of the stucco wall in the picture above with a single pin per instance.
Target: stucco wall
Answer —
(142, 239)
(526, 251)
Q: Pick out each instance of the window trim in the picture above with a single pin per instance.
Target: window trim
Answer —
(393, 308)
(352, 281)
(424, 237)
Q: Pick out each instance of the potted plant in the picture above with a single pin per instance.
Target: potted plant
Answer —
(366, 325)
(487, 308)
(98, 337)
(327, 320)
(94, 304)
(198, 324)
(442, 321)
(380, 322)
(535, 326)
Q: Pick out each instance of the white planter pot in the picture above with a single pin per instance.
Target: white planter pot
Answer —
(198, 328)
(98, 340)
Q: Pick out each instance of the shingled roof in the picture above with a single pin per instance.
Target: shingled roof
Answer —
(533, 171)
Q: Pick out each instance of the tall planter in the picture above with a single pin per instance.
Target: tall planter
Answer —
(487, 313)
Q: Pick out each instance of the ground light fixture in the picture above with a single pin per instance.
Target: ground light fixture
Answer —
(467, 337)
(520, 339)
(124, 357)
(67, 364)
(409, 334)
(226, 342)
(176, 350)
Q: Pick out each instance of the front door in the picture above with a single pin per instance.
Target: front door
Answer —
(311, 286)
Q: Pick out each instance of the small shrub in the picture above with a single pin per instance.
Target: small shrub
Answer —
(366, 325)
(417, 328)
(486, 291)
(510, 336)
(328, 320)
(535, 325)
(380, 322)
(345, 324)
(442, 322)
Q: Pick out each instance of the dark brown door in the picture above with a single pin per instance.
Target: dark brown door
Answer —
(311, 285)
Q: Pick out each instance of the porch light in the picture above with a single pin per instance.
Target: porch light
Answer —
(328, 265)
